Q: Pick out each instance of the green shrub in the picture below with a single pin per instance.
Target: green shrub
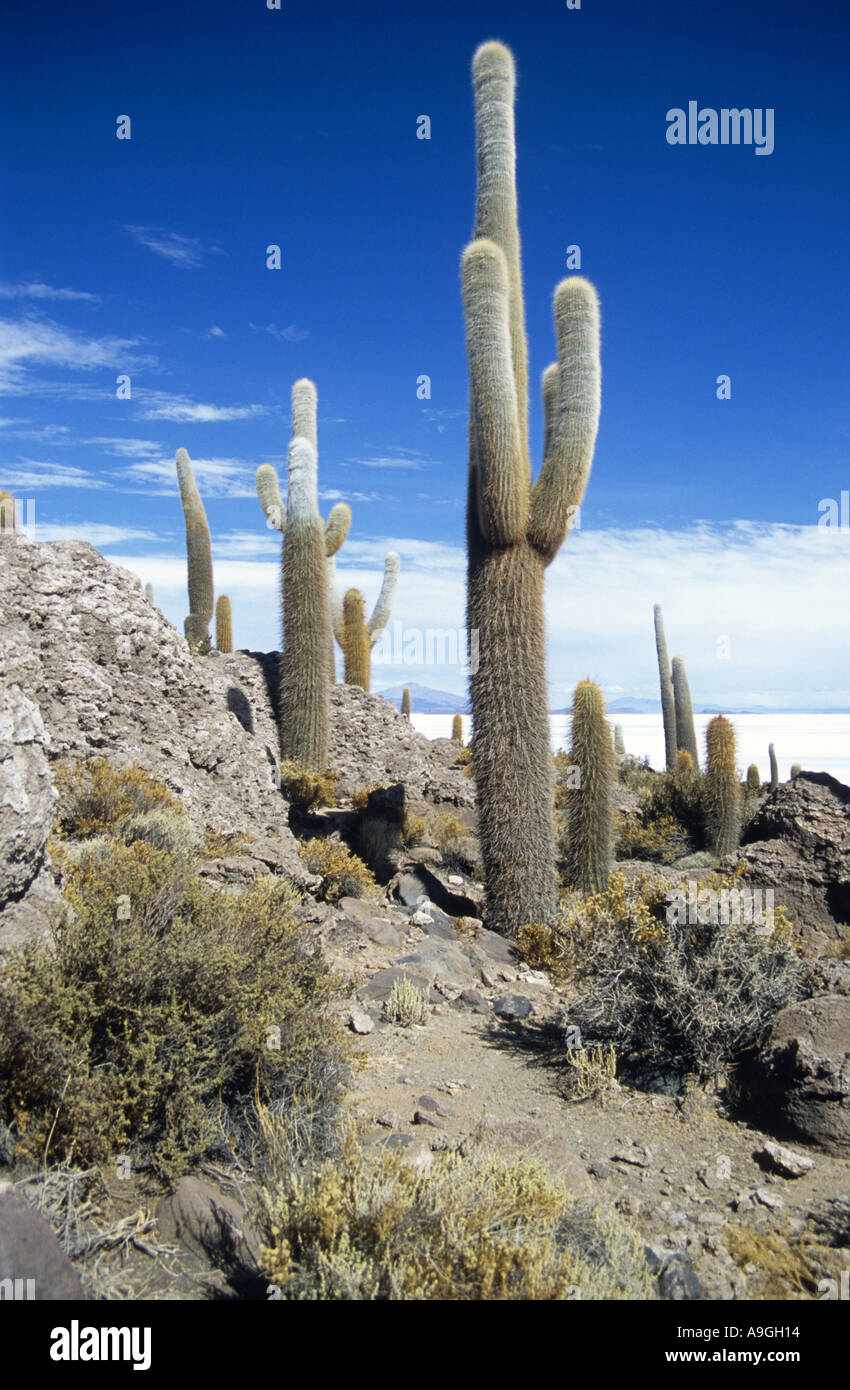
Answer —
(407, 1004)
(148, 1023)
(307, 790)
(344, 873)
(472, 1229)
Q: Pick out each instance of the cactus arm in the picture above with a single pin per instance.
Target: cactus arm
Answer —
(337, 526)
(305, 401)
(381, 612)
(268, 491)
(668, 705)
(494, 83)
(572, 419)
(549, 390)
(503, 474)
(198, 545)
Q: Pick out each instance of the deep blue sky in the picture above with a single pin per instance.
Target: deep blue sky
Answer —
(298, 127)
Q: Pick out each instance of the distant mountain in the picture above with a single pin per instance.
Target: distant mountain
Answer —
(424, 700)
(627, 704)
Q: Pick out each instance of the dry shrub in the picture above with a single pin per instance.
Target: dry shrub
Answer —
(95, 796)
(160, 1014)
(344, 873)
(455, 842)
(782, 1264)
(305, 790)
(222, 844)
(471, 1229)
(697, 997)
(589, 1071)
(406, 1004)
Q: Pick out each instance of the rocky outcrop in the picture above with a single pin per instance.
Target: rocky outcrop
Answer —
(27, 794)
(798, 844)
(800, 1081)
(32, 1262)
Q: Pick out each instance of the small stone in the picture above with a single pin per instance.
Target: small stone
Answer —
(639, 1156)
(784, 1161)
(513, 1007)
(455, 880)
(388, 1119)
(421, 1117)
(598, 1170)
(359, 1021)
(768, 1198)
(429, 1103)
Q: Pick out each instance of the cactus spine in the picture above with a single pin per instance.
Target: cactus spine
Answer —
(722, 790)
(457, 729)
(223, 625)
(619, 743)
(753, 780)
(198, 553)
(668, 705)
(514, 529)
(305, 684)
(405, 702)
(774, 767)
(686, 737)
(304, 424)
(588, 832)
(357, 635)
(7, 511)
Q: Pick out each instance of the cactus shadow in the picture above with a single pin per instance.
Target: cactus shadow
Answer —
(239, 704)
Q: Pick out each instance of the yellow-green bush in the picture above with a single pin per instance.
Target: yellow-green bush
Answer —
(540, 948)
(222, 844)
(662, 839)
(344, 873)
(360, 797)
(95, 796)
(782, 1264)
(454, 841)
(474, 1229)
(307, 790)
(159, 1015)
(407, 1004)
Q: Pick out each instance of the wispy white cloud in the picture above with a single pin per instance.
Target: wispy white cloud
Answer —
(96, 533)
(36, 289)
(126, 448)
(333, 494)
(32, 475)
(400, 458)
(216, 477)
(291, 333)
(190, 253)
(158, 405)
(215, 332)
(29, 341)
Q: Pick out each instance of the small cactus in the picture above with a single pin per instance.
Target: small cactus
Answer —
(357, 635)
(668, 705)
(774, 767)
(223, 625)
(685, 732)
(149, 592)
(7, 511)
(619, 743)
(457, 729)
(722, 790)
(753, 780)
(198, 553)
(588, 839)
(405, 702)
(796, 769)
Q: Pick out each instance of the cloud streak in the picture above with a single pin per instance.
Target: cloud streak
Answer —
(189, 253)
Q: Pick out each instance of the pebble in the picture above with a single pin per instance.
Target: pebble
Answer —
(421, 1117)
(768, 1198)
(512, 1006)
(360, 1022)
(784, 1161)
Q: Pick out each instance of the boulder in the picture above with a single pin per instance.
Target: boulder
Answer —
(799, 1083)
(31, 1256)
(798, 844)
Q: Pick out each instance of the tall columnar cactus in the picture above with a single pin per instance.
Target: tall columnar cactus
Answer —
(405, 702)
(457, 729)
(721, 788)
(515, 529)
(355, 633)
(685, 732)
(304, 707)
(149, 592)
(619, 742)
(304, 424)
(223, 624)
(198, 553)
(774, 767)
(7, 511)
(668, 705)
(587, 858)
(753, 780)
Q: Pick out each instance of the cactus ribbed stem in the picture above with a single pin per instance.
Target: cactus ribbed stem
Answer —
(405, 702)
(457, 729)
(514, 529)
(619, 742)
(685, 732)
(722, 790)
(668, 707)
(223, 625)
(589, 805)
(355, 643)
(774, 767)
(198, 550)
